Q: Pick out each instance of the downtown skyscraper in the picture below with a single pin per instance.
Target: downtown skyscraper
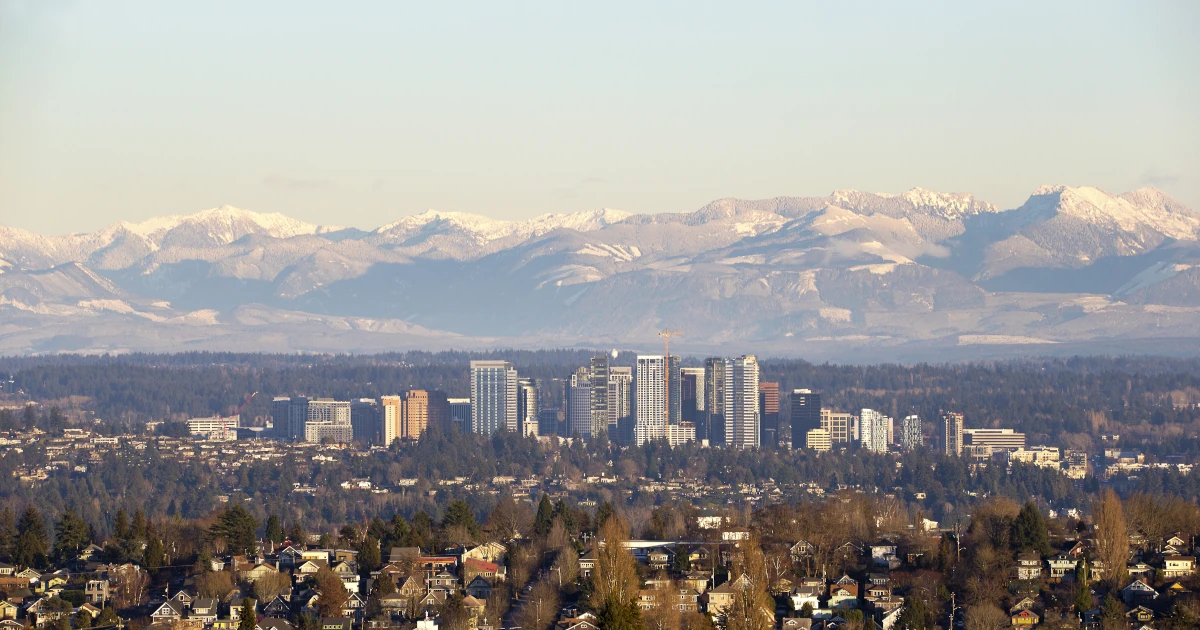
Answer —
(650, 409)
(742, 421)
(493, 397)
(911, 434)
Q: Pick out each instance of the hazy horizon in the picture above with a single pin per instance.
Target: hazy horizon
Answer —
(364, 114)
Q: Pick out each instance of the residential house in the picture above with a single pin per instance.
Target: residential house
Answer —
(1141, 570)
(806, 594)
(8, 610)
(475, 606)
(721, 597)
(796, 623)
(1178, 566)
(443, 581)
(1061, 566)
(843, 593)
(278, 607)
(1140, 613)
(473, 567)
(658, 559)
(1138, 592)
(96, 592)
(1029, 566)
(168, 612)
(884, 555)
(488, 552)
(273, 623)
(1026, 603)
(1025, 619)
(479, 588)
(204, 609)
(336, 623)
(236, 604)
(587, 562)
(695, 580)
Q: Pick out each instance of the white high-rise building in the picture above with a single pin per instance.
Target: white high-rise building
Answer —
(911, 435)
(952, 436)
(620, 382)
(741, 402)
(493, 397)
(873, 430)
(650, 420)
(389, 414)
(579, 405)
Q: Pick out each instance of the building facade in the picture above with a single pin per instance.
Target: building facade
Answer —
(805, 415)
(911, 434)
(650, 411)
(952, 433)
(873, 430)
(493, 397)
(742, 422)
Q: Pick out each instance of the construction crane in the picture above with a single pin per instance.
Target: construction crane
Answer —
(238, 413)
(666, 335)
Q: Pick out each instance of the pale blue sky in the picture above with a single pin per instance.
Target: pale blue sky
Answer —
(360, 113)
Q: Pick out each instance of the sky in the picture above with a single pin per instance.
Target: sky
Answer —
(361, 113)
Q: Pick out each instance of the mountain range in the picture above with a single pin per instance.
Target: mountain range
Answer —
(920, 275)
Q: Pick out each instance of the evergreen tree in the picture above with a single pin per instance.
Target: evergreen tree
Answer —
(459, 514)
(248, 619)
(369, 555)
(83, 619)
(397, 533)
(545, 517)
(274, 531)
(603, 513)
(297, 535)
(236, 526)
(121, 527)
(806, 611)
(8, 532)
(1083, 593)
(70, 536)
(914, 615)
(137, 529)
(108, 617)
(1029, 530)
(154, 555)
(377, 529)
(32, 540)
(618, 615)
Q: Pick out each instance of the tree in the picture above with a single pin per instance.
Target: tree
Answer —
(83, 619)
(382, 586)
(332, 595)
(121, 527)
(248, 619)
(459, 514)
(32, 539)
(70, 535)
(614, 578)
(274, 531)
(1112, 614)
(214, 583)
(272, 584)
(297, 534)
(752, 607)
(348, 536)
(806, 611)
(107, 617)
(618, 615)
(8, 532)
(1029, 530)
(539, 608)
(236, 526)
(368, 554)
(154, 554)
(1083, 592)
(1112, 543)
(914, 615)
(544, 519)
(986, 617)
(603, 513)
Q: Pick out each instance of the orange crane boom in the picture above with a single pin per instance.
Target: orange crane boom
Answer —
(244, 403)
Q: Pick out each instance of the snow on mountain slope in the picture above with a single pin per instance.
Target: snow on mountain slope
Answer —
(1064, 227)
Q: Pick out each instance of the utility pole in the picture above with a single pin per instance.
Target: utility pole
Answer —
(950, 626)
(666, 335)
